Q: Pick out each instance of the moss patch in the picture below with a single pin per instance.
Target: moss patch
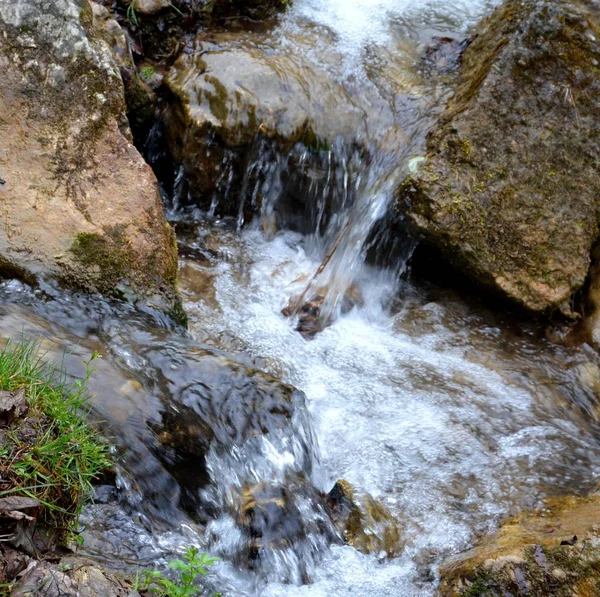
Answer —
(110, 255)
(551, 552)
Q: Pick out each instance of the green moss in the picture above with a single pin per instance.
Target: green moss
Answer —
(109, 253)
(576, 566)
(218, 100)
(313, 142)
(178, 314)
(484, 586)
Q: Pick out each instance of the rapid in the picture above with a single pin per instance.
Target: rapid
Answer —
(450, 417)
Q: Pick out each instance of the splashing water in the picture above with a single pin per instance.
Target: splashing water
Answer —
(450, 421)
(448, 416)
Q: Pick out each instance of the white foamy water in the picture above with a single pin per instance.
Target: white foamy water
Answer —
(432, 413)
(362, 24)
(447, 417)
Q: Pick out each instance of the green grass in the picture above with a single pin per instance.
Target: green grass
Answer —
(147, 72)
(51, 454)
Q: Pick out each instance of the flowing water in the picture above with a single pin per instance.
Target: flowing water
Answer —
(450, 417)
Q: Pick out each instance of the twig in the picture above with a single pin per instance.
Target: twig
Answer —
(320, 269)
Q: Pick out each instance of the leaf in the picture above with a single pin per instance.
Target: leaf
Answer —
(18, 503)
(178, 565)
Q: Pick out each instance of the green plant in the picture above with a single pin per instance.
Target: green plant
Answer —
(189, 570)
(53, 455)
(147, 72)
(179, 12)
(131, 14)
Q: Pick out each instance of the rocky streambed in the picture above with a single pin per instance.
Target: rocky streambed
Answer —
(414, 186)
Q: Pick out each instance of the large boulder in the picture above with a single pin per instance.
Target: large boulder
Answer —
(553, 551)
(251, 125)
(78, 202)
(510, 191)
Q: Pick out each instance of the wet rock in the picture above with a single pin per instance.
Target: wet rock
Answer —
(443, 55)
(313, 312)
(271, 515)
(365, 523)
(79, 203)
(536, 554)
(509, 191)
(591, 322)
(70, 578)
(139, 97)
(251, 127)
(206, 401)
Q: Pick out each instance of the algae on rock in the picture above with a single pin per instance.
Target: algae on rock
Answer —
(510, 191)
(554, 551)
(69, 168)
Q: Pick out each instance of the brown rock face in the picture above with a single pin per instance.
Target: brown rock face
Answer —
(78, 202)
(554, 551)
(510, 190)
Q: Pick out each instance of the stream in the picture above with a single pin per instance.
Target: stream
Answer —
(448, 416)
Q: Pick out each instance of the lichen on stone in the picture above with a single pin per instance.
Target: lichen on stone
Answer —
(503, 195)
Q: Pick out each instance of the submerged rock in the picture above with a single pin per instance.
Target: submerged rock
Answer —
(510, 191)
(309, 310)
(365, 523)
(555, 551)
(79, 203)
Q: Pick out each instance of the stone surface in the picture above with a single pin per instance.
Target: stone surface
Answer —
(510, 191)
(364, 522)
(252, 124)
(78, 202)
(70, 578)
(554, 551)
(140, 99)
(151, 7)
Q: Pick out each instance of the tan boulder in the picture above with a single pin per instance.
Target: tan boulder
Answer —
(78, 202)
(553, 551)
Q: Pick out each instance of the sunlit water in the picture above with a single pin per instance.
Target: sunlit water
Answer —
(452, 422)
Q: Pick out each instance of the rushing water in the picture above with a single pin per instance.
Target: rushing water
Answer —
(449, 416)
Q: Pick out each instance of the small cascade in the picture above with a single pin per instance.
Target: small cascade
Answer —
(335, 286)
(432, 419)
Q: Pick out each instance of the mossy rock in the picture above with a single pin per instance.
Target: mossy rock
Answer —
(79, 203)
(551, 552)
(510, 191)
(237, 112)
(364, 522)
